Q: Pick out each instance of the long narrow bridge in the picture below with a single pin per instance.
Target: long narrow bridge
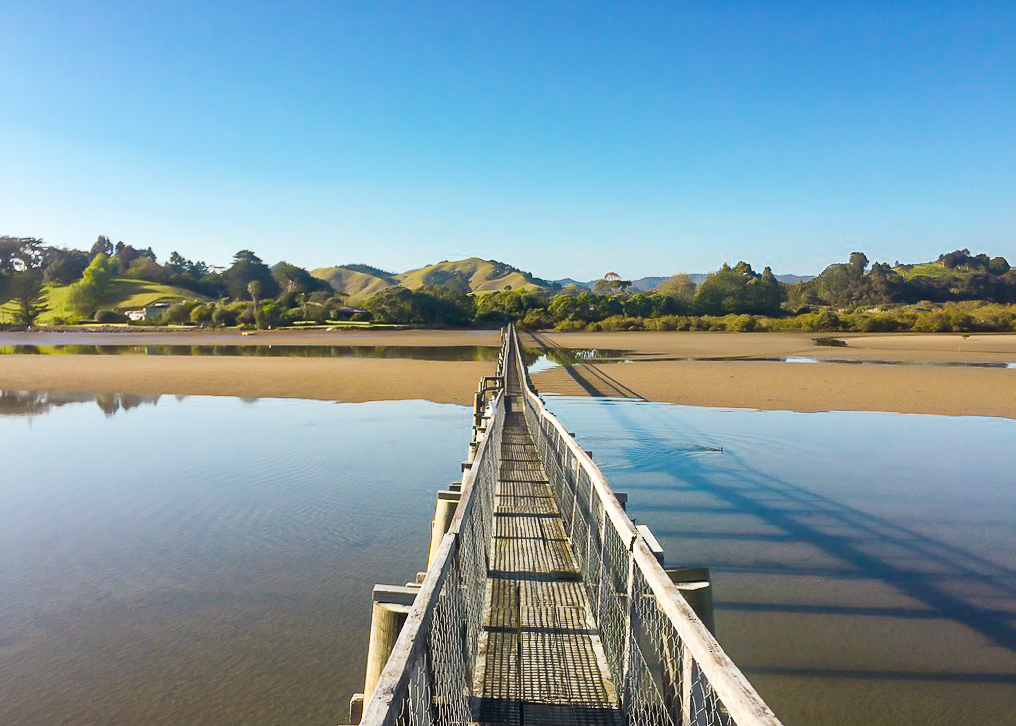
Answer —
(543, 602)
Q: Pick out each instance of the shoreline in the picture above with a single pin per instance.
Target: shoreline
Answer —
(678, 367)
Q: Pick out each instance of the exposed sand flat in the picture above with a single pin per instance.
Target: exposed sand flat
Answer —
(957, 391)
(782, 386)
(917, 347)
(336, 379)
(735, 383)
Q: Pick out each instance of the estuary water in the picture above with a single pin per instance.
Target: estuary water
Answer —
(864, 564)
(209, 560)
(205, 560)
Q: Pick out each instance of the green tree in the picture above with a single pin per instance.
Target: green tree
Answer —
(291, 278)
(611, 283)
(87, 294)
(29, 297)
(739, 289)
(678, 286)
(246, 268)
(102, 246)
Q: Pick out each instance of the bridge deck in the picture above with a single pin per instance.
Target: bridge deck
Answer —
(540, 659)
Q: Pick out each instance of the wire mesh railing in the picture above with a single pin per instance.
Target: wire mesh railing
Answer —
(667, 667)
(428, 676)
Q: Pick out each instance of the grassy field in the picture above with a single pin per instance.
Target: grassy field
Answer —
(123, 294)
(929, 269)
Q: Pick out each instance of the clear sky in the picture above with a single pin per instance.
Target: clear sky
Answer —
(563, 138)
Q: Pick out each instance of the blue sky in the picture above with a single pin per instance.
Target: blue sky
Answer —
(563, 138)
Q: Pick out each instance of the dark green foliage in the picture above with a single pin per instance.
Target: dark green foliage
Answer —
(428, 305)
(28, 296)
(998, 266)
(62, 267)
(247, 268)
(291, 278)
(847, 284)
(110, 316)
(179, 313)
(739, 289)
(102, 246)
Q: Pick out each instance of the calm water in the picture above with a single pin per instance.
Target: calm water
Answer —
(205, 560)
(864, 563)
(209, 560)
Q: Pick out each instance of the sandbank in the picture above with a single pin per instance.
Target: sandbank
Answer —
(682, 368)
(693, 368)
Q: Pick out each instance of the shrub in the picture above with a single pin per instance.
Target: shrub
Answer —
(570, 325)
(362, 317)
(110, 316)
(202, 314)
(179, 313)
(224, 316)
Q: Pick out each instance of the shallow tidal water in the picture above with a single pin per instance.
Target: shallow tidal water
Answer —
(208, 560)
(864, 564)
(205, 560)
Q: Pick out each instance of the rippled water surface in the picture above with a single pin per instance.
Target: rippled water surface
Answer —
(205, 560)
(864, 563)
(209, 560)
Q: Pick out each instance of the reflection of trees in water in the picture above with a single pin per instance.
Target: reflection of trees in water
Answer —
(34, 403)
(440, 353)
(573, 356)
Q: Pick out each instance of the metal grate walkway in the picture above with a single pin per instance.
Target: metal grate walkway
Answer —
(540, 660)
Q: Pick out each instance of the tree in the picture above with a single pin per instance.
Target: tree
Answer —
(102, 246)
(291, 278)
(998, 266)
(611, 284)
(246, 268)
(858, 263)
(679, 286)
(62, 267)
(740, 290)
(20, 253)
(29, 297)
(86, 295)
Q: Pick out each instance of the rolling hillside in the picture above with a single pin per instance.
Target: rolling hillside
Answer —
(357, 281)
(123, 294)
(473, 274)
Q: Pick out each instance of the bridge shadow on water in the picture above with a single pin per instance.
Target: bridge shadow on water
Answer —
(943, 582)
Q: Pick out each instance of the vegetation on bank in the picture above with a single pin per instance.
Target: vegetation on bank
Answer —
(959, 292)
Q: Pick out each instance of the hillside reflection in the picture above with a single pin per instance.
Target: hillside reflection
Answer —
(37, 403)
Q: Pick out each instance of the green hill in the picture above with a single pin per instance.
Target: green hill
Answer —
(357, 281)
(123, 294)
(474, 275)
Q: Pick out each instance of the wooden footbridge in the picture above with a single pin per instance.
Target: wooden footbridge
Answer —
(543, 603)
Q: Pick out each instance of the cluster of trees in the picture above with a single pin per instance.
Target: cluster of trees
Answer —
(967, 277)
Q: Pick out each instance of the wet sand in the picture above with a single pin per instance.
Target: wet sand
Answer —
(670, 369)
(775, 385)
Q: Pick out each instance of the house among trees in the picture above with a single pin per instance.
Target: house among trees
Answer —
(149, 312)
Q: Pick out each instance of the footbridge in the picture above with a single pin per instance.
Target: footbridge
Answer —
(543, 603)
